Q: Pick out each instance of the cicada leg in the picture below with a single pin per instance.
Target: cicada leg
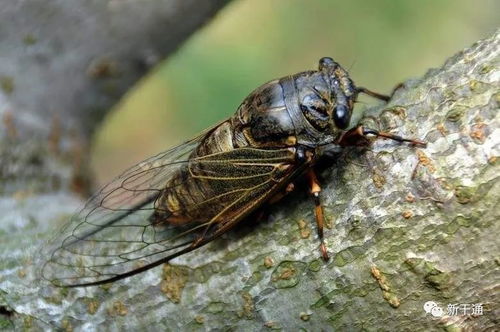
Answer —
(263, 212)
(360, 135)
(288, 189)
(315, 190)
(367, 132)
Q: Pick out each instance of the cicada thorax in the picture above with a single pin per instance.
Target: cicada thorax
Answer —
(295, 111)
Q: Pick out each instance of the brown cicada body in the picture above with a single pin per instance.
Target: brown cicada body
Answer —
(185, 197)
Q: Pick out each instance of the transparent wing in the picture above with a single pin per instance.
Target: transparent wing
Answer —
(113, 237)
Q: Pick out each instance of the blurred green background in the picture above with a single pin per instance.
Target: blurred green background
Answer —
(383, 42)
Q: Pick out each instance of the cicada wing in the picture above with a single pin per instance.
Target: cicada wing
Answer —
(114, 221)
(113, 237)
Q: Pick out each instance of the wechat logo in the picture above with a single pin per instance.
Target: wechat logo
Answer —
(432, 308)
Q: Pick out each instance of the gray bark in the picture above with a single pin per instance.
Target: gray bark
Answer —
(408, 225)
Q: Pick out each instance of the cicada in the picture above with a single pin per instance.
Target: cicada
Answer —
(183, 198)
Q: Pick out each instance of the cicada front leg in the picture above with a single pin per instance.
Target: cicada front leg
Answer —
(360, 136)
(372, 132)
(315, 190)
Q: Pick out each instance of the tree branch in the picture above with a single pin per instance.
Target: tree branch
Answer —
(75, 59)
(409, 225)
(63, 64)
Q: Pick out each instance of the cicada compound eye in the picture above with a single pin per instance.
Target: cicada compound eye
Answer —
(327, 63)
(342, 116)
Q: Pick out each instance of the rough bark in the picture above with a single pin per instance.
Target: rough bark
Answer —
(408, 225)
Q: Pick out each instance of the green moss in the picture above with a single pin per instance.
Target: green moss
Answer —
(478, 87)
(348, 255)
(454, 115)
(465, 194)
(439, 280)
(321, 302)
(339, 260)
(106, 287)
(463, 221)
(28, 322)
(64, 291)
(496, 97)
(452, 227)
(442, 239)
(422, 247)
(194, 326)
(337, 315)
(432, 275)
(325, 299)
(3, 301)
(286, 240)
(8, 264)
(392, 256)
(383, 234)
(255, 278)
(199, 276)
(343, 284)
(232, 255)
(314, 265)
(5, 323)
(413, 263)
(203, 273)
(288, 274)
(356, 233)
(228, 271)
(486, 68)
(429, 229)
(214, 307)
(53, 299)
(453, 328)
(429, 267)
(360, 292)
(404, 245)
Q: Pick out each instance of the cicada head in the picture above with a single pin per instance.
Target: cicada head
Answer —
(343, 92)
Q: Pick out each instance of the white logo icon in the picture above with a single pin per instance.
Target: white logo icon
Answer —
(432, 308)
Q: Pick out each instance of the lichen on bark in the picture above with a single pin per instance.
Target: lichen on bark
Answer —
(408, 225)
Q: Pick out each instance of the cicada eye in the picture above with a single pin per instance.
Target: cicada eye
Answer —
(326, 63)
(342, 116)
